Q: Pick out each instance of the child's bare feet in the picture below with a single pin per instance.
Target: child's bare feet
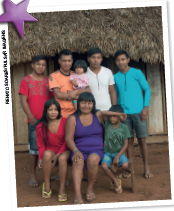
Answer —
(116, 185)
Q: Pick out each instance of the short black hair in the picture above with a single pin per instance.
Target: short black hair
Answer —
(93, 50)
(120, 52)
(65, 52)
(37, 58)
(82, 64)
(116, 108)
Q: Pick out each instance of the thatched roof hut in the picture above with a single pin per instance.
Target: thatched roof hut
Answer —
(136, 30)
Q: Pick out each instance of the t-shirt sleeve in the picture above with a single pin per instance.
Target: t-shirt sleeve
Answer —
(23, 88)
(40, 141)
(111, 78)
(53, 82)
(126, 132)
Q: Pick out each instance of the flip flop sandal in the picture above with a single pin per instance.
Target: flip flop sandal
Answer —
(148, 176)
(44, 192)
(35, 184)
(119, 176)
(126, 175)
(119, 189)
(60, 197)
(88, 197)
(78, 202)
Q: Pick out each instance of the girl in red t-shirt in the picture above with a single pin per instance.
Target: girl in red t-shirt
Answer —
(50, 133)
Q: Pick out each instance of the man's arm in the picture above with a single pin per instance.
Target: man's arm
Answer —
(26, 108)
(61, 95)
(113, 94)
(71, 95)
(75, 94)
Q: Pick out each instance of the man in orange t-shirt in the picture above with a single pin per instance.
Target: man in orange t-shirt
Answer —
(59, 83)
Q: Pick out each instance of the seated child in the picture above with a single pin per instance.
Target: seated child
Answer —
(79, 79)
(115, 144)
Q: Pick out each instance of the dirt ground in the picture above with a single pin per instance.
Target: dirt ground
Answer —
(156, 188)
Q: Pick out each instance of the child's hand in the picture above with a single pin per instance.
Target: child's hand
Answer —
(116, 160)
(123, 117)
(74, 83)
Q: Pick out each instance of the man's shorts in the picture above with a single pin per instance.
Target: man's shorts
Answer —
(32, 138)
(133, 121)
(108, 158)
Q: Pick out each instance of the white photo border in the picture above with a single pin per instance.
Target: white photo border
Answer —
(8, 121)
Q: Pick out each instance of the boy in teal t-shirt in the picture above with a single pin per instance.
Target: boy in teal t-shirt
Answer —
(115, 144)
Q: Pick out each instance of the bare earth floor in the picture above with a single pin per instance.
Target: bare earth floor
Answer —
(156, 188)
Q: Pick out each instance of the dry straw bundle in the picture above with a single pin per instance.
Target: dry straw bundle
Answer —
(136, 30)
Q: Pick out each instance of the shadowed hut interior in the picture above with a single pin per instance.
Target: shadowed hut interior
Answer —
(136, 30)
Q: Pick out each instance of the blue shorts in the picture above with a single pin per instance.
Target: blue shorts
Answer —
(32, 138)
(108, 159)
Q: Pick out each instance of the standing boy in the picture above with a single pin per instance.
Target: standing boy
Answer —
(34, 92)
(101, 81)
(129, 83)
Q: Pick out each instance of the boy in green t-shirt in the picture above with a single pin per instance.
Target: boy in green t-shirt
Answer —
(115, 144)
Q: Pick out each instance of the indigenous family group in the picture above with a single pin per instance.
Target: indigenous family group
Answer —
(88, 117)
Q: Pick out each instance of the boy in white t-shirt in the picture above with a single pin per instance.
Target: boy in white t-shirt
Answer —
(101, 81)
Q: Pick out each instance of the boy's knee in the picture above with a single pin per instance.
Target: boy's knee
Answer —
(104, 166)
(124, 166)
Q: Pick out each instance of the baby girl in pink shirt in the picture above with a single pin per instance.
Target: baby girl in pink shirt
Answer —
(79, 79)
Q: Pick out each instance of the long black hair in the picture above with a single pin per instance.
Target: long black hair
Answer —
(87, 97)
(45, 120)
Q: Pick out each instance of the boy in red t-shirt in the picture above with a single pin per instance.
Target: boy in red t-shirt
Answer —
(34, 92)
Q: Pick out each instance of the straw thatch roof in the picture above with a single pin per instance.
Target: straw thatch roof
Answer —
(136, 30)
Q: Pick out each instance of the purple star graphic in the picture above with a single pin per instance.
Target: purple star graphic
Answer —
(17, 14)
